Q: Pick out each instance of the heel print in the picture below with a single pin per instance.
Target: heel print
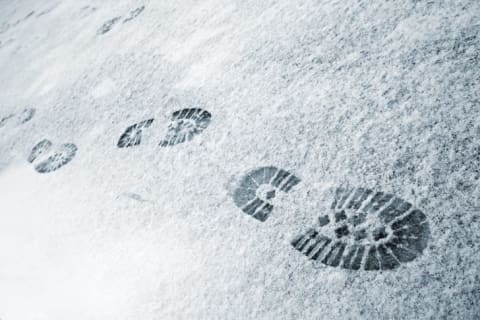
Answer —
(259, 186)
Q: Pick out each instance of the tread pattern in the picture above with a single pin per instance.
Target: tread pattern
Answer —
(258, 187)
(366, 230)
(132, 136)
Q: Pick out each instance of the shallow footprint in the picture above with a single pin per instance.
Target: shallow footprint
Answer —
(108, 25)
(132, 136)
(366, 229)
(134, 13)
(259, 187)
(185, 124)
(40, 148)
(63, 155)
(26, 115)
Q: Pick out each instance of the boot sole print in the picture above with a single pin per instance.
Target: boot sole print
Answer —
(366, 230)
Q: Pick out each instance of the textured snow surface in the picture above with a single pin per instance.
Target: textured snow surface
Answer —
(383, 95)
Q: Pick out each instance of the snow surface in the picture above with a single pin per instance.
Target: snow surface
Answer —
(377, 94)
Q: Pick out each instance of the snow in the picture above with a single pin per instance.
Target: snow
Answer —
(379, 95)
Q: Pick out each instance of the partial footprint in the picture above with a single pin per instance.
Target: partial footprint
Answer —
(108, 25)
(135, 13)
(6, 119)
(366, 230)
(259, 187)
(133, 134)
(185, 124)
(6, 43)
(46, 159)
(40, 148)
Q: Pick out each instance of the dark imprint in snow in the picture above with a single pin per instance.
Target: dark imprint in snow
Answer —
(40, 148)
(259, 187)
(29, 15)
(5, 119)
(63, 155)
(366, 230)
(133, 134)
(135, 13)
(185, 124)
(26, 115)
(107, 26)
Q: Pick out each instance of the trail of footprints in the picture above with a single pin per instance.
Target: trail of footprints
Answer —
(363, 229)
(44, 156)
(184, 125)
(133, 134)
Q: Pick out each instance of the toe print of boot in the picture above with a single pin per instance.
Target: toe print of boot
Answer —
(132, 136)
(366, 230)
(259, 187)
(185, 124)
(47, 158)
